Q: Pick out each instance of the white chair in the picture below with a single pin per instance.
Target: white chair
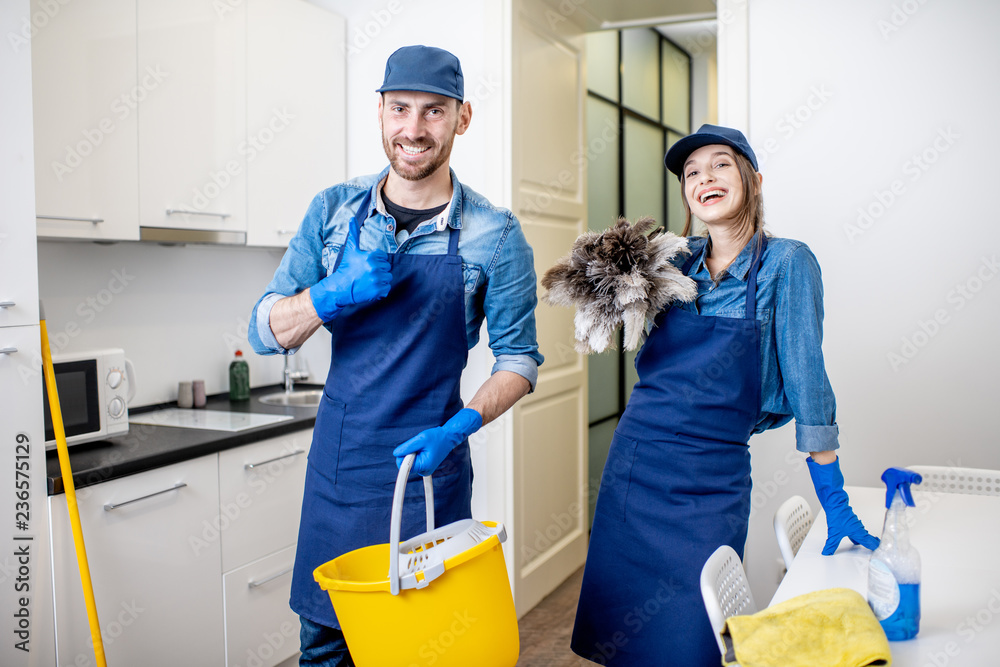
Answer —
(947, 479)
(791, 523)
(725, 590)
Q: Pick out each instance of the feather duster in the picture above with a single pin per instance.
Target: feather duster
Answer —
(621, 276)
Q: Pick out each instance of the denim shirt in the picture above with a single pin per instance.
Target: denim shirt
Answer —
(790, 311)
(497, 265)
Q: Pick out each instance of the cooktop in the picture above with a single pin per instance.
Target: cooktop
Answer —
(209, 420)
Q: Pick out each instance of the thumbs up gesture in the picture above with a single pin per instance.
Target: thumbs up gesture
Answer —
(361, 277)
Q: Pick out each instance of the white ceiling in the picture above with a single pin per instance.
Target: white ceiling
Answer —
(607, 14)
(691, 34)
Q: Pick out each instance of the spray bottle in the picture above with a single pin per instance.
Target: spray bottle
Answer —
(894, 568)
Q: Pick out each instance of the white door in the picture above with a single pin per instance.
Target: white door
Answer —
(549, 198)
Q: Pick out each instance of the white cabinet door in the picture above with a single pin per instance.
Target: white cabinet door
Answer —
(18, 271)
(261, 629)
(192, 131)
(155, 564)
(26, 601)
(18, 258)
(296, 114)
(86, 95)
(260, 491)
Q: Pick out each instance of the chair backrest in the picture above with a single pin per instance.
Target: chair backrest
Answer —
(725, 590)
(791, 523)
(947, 479)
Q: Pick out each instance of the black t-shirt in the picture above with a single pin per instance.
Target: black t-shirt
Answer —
(408, 218)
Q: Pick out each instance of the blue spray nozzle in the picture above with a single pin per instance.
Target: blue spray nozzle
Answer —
(900, 479)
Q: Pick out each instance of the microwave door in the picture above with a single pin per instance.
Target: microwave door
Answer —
(79, 399)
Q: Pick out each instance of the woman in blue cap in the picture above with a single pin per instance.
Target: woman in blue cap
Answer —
(743, 357)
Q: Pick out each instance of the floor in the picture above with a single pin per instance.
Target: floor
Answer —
(545, 630)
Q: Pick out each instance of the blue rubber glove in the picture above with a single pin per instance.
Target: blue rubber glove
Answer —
(841, 521)
(361, 277)
(434, 444)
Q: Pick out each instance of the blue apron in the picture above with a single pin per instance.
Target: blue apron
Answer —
(675, 487)
(395, 371)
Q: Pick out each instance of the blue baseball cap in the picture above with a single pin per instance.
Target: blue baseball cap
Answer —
(706, 136)
(425, 69)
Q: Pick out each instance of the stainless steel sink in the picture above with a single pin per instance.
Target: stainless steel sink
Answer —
(308, 398)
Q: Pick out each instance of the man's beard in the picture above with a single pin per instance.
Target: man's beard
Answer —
(414, 172)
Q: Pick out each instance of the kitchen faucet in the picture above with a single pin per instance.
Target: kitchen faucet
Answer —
(291, 376)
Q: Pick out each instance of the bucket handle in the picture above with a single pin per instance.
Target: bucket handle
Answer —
(396, 520)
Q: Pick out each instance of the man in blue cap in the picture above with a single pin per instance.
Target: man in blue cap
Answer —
(402, 268)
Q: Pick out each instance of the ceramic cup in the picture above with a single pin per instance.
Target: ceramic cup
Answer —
(198, 393)
(185, 395)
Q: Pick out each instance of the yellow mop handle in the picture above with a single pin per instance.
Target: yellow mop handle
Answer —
(74, 511)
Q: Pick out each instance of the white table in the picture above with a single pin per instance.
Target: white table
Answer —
(958, 537)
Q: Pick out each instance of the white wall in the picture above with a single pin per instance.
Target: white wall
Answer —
(886, 108)
(473, 32)
(178, 312)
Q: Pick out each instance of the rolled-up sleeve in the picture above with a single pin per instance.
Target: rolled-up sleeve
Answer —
(799, 341)
(509, 305)
(301, 267)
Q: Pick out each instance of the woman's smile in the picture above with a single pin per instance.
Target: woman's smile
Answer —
(711, 196)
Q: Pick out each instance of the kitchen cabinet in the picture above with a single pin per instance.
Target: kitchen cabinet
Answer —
(225, 117)
(26, 597)
(153, 547)
(261, 629)
(192, 131)
(24, 565)
(18, 256)
(261, 494)
(86, 94)
(296, 77)
(191, 562)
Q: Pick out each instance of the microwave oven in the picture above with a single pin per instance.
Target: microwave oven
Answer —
(94, 390)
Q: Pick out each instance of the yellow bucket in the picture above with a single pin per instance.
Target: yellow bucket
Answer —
(463, 618)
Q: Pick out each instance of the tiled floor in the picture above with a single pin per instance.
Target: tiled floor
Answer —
(545, 630)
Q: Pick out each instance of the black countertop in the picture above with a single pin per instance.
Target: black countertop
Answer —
(146, 447)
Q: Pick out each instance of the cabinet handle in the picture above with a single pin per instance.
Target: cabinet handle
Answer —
(60, 217)
(8, 350)
(171, 211)
(113, 506)
(251, 466)
(255, 584)
(7, 304)
(285, 232)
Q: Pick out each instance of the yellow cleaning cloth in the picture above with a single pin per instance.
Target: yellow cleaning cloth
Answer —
(829, 628)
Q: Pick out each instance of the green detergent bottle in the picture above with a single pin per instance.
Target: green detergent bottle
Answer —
(239, 378)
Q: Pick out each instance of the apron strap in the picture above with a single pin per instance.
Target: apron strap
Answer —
(687, 265)
(453, 240)
(751, 309)
(363, 211)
